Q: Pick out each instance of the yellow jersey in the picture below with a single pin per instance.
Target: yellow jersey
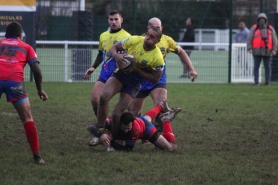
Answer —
(108, 39)
(146, 60)
(167, 45)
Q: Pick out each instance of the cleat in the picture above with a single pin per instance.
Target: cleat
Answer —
(110, 149)
(170, 115)
(94, 141)
(96, 131)
(165, 107)
(38, 159)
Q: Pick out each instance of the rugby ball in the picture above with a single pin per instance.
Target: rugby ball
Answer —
(128, 62)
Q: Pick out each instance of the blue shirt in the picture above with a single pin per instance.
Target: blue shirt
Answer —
(241, 36)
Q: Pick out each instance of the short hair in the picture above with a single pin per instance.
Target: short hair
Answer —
(158, 31)
(113, 12)
(14, 29)
(192, 20)
(126, 118)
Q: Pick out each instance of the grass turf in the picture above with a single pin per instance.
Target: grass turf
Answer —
(226, 134)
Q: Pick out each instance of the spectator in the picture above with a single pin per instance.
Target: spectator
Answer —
(189, 36)
(241, 34)
(262, 43)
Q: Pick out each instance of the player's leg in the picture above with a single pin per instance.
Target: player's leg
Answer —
(164, 144)
(152, 113)
(154, 137)
(24, 111)
(168, 140)
(16, 93)
(111, 87)
(159, 94)
(96, 91)
(122, 104)
(136, 106)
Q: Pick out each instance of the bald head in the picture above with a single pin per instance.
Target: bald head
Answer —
(155, 22)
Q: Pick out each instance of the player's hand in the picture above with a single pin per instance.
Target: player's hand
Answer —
(105, 139)
(119, 57)
(273, 53)
(250, 51)
(42, 95)
(193, 74)
(89, 72)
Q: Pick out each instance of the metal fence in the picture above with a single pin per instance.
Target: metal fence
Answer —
(55, 19)
(67, 61)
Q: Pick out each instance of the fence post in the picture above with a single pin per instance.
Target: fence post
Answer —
(230, 41)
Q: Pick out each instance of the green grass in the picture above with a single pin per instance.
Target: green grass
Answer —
(239, 145)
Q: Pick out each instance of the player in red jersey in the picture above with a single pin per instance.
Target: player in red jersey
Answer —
(14, 55)
(140, 127)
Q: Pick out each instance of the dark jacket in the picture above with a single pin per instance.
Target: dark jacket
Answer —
(189, 36)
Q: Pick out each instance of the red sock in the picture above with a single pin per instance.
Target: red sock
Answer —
(154, 111)
(32, 136)
(168, 132)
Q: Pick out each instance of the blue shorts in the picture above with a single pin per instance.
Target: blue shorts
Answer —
(150, 129)
(107, 69)
(101, 80)
(130, 85)
(14, 90)
(145, 93)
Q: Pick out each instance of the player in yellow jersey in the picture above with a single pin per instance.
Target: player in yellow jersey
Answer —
(149, 67)
(158, 91)
(106, 41)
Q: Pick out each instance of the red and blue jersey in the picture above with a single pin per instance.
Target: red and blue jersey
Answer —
(14, 55)
(141, 129)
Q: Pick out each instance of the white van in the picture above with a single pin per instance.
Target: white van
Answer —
(2, 35)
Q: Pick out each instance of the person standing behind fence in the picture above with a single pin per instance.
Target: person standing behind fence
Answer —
(241, 34)
(189, 36)
(262, 43)
(14, 55)
(114, 34)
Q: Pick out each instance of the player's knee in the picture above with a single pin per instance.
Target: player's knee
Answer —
(103, 99)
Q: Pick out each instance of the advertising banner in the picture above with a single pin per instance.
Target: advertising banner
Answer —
(18, 5)
(22, 11)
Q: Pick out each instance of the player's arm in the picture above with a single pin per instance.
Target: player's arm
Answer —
(98, 60)
(95, 65)
(38, 79)
(186, 60)
(152, 77)
(114, 52)
(126, 147)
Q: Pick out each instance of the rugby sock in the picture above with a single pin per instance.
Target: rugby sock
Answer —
(168, 132)
(32, 136)
(154, 111)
